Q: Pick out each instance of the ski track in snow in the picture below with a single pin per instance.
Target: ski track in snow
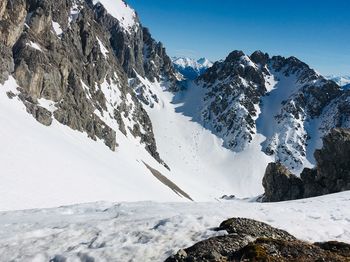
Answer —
(149, 231)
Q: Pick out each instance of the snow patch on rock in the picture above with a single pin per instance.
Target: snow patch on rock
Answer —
(121, 11)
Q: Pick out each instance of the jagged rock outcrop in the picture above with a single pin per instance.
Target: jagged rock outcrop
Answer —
(250, 240)
(331, 175)
(78, 57)
(280, 184)
(234, 89)
(157, 64)
(6, 62)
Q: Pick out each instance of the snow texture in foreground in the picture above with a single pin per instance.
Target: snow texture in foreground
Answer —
(148, 231)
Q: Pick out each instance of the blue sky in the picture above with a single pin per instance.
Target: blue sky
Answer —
(317, 32)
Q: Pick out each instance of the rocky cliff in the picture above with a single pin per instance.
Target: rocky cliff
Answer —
(73, 61)
(331, 175)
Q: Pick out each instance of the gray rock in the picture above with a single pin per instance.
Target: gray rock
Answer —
(3, 5)
(241, 231)
(254, 229)
(6, 63)
(69, 69)
(235, 88)
(41, 114)
(250, 240)
(331, 175)
(280, 184)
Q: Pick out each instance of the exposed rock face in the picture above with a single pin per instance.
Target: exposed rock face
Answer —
(331, 175)
(264, 249)
(237, 88)
(79, 57)
(280, 184)
(250, 240)
(157, 64)
(332, 172)
(255, 229)
(234, 89)
(6, 62)
(42, 115)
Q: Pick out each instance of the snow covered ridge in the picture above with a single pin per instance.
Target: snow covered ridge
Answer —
(340, 80)
(191, 68)
(148, 231)
(120, 10)
(280, 98)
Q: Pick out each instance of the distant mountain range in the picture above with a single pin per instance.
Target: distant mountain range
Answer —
(340, 80)
(190, 68)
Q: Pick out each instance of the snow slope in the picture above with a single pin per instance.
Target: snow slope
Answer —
(50, 166)
(198, 161)
(148, 231)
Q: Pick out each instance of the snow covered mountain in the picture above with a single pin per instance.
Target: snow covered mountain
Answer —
(340, 80)
(68, 64)
(92, 106)
(280, 98)
(191, 68)
(87, 108)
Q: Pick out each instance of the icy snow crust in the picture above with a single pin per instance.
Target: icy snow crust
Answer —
(148, 231)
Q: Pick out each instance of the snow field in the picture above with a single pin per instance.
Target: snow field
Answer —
(149, 231)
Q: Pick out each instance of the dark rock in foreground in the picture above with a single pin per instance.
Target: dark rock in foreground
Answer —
(331, 175)
(250, 240)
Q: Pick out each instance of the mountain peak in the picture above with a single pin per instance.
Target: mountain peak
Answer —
(205, 62)
(259, 57)
(120, 10)
(234, 55)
